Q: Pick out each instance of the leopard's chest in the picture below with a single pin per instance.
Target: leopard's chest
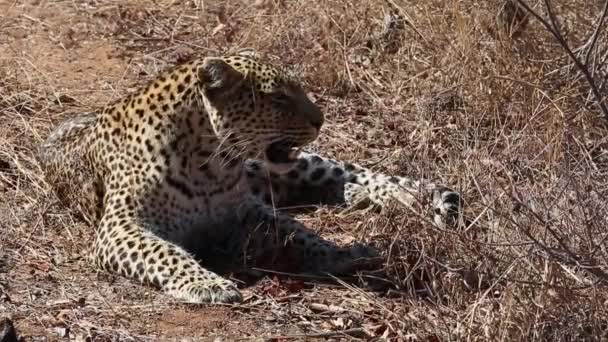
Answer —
(187, 198)
(211, 214)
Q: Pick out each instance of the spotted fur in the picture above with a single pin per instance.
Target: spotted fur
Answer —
(179, 172)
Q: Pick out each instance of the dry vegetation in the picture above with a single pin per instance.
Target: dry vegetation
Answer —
(466, 93)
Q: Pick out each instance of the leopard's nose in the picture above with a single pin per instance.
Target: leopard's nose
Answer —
(310, 112)
(317, 122)
(316, 116)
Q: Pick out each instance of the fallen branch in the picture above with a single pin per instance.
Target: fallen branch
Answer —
(353, 332)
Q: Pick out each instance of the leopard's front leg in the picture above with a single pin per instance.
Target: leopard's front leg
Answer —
(317, 180)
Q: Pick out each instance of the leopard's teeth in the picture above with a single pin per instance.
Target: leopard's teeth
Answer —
(294, 153)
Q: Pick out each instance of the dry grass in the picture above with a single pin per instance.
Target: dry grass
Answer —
(446, 92)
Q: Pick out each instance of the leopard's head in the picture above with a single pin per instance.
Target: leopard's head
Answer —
(260, 109)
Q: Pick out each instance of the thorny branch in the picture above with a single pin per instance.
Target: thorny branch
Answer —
(590, 46)
(552, 25)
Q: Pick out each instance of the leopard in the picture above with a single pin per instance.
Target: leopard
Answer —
(195, 164)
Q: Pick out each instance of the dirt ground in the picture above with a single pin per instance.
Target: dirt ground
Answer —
(458, 92)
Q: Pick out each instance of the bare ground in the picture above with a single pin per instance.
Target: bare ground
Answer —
(444, 92)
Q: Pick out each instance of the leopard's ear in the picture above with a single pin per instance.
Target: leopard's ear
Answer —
(219, 78)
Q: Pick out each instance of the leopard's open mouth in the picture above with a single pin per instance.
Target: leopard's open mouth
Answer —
(282, 152)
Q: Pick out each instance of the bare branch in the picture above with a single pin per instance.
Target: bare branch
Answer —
(590, 44)
(553, 27)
